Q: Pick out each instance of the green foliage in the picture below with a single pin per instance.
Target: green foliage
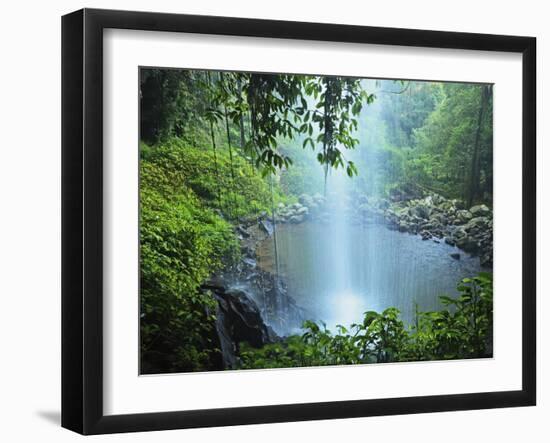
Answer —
(446, 146)
(183, 240)
(277, 105)
(230, 186)
(462, 330)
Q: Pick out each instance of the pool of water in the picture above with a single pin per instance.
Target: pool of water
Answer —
(337, 273)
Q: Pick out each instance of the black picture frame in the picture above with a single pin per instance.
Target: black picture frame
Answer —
(82, 218)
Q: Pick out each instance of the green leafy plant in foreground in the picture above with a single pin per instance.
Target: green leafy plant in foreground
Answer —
(462, 330)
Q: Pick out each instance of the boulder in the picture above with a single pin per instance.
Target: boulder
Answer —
(296, 219)
(480, 211)
(449, 241)
(437, 199)
(238, 319)
(421, 211)
(266, 226)
(463, 215)
(306, 199)
(468, 243)
(242, 231)
(455, 255)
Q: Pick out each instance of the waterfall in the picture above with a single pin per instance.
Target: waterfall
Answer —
(278, 302)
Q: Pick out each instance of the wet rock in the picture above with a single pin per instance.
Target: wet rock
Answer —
(449, 241)
(302, 211)
(296, 219)
(250, 262)
(238, 319)
(455, 255)
(468, 243)
(242, 231)
(306, 200)
(266, 226)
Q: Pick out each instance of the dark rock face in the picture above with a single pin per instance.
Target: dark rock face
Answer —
(266, 226)
(238, 319)
(242, 318)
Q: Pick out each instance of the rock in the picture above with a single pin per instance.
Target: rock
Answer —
(238, 319)
(266, 226)
(437, 199)
(458, 234)
(242, 231)
(455, 255)
(449, 241)
(383, 204)
(463, 215)
(305, 199)
(302, 211)
(425, 235)
(486, 260)
(438, 218)
(296, 219)
(421, 211)
(319, 199)
(480, 210)
(403, 227)
(250, 262)
(469, 244)
(479, 221)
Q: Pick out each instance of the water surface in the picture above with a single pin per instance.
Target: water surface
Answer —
(338, 271)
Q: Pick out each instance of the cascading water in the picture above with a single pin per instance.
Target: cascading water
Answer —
(337, 263)
(337, 283)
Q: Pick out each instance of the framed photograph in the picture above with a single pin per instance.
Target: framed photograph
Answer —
(269, 221)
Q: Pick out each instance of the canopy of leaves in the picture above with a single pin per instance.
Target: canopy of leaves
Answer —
(444, 146)
(275, 105)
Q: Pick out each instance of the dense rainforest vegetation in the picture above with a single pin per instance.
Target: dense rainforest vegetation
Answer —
(221, 151)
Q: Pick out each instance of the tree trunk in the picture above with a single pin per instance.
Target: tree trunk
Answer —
(473, 186)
